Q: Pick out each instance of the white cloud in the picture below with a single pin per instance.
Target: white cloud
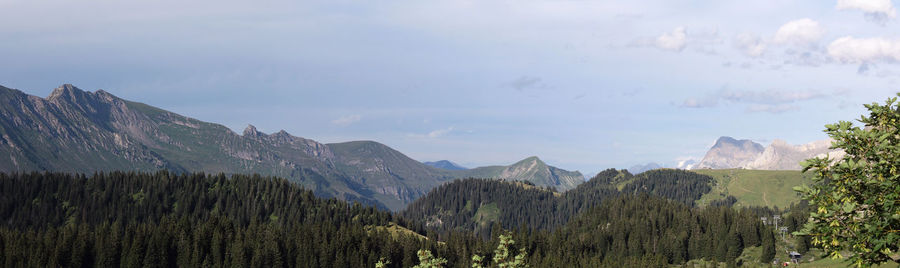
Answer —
(802, 32)
(346, 120)
(437, 133)
(750, 44)
(862, 50)
(700, 103)
(687, 162)
(877, 10)
(673, 41)
(772, 101)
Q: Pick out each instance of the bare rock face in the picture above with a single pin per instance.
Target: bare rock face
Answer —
(782, 156)
(730, 153)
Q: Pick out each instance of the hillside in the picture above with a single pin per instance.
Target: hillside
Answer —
(762, 188)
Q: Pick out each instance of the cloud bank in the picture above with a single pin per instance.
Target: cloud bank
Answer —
(864, 50)
(771, 101)
(876, 10)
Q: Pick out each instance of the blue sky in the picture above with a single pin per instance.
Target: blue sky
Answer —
(585, 85)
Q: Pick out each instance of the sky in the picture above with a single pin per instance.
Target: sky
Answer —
(584, 85)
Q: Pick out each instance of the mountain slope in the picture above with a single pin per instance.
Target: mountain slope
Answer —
(761, 188)
(386, 171)
(445, 164)
(78, 131)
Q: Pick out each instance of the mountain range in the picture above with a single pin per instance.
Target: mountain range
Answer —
(79, 131)
(779, 155)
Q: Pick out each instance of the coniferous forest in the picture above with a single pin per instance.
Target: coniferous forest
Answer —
(164, 219)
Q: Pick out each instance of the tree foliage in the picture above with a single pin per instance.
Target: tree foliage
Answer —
(857, 199)
(196, 220)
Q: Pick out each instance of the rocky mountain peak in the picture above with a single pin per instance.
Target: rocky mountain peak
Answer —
(725, 140)
(251, 131)
(779, 155)
(729, 153)
(532, 160)
(66, 92)
(282, 137)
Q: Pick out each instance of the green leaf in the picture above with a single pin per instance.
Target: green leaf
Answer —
(849, 207)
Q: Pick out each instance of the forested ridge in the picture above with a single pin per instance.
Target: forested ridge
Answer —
(164, 219)
(454, 205)
(647, 231)
(192, 220)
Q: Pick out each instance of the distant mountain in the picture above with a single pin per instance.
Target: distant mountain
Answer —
(645, 167)
(782, 156)
(79, 131)
(445, 164)
(530, 169)
(730, 153)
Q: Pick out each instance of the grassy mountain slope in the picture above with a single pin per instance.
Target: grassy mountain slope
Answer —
(767, 188)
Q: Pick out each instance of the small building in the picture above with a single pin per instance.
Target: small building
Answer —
(795, 257)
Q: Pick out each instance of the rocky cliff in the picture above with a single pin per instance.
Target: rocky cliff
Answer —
(730, 153)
